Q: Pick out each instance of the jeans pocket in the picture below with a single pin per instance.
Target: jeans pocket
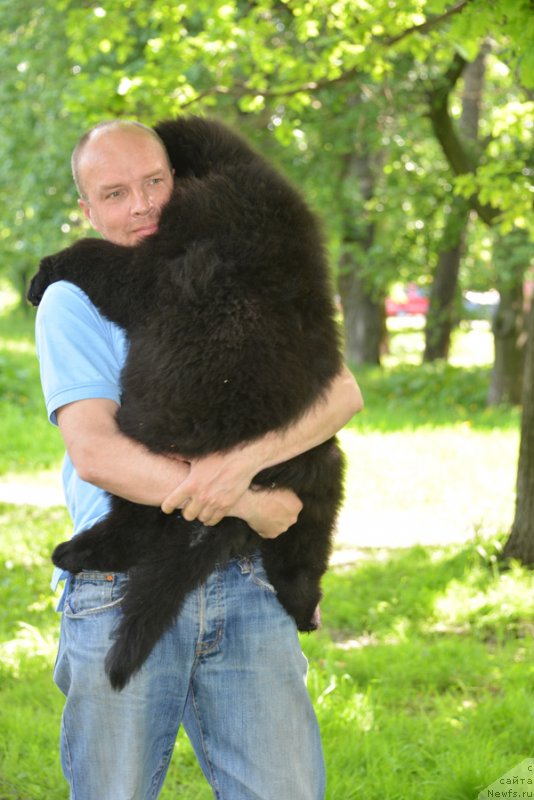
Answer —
(259, 575)
(92, 593)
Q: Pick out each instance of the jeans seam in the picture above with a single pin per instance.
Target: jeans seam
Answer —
(163, 765)
(69, 761)
(212, 779)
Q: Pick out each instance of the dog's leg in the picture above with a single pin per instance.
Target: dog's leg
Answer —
(115, 543)
(117, 282)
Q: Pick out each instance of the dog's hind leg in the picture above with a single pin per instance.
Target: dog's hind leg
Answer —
(113, 544)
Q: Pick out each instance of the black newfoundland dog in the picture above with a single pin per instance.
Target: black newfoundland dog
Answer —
(231, 323)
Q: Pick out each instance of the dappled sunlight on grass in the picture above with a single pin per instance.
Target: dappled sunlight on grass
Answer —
(28, 643)
(480, 605)
(425, 589)
(430, 651)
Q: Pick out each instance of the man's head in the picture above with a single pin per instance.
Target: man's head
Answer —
(124, 178)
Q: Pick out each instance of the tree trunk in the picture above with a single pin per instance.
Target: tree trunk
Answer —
(21, 282)
(364, 318)
(512, 254)
(520, 544)
(363, 314)
(508, 332)
(440, 317)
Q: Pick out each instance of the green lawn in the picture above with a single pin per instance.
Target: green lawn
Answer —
(422, 674)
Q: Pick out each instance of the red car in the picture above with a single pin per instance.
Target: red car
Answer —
(412, 300)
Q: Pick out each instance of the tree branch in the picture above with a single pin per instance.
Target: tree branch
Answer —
(427, 25)
(244, 89)
(458, 156)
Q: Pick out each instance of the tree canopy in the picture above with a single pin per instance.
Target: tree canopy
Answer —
(312, 82)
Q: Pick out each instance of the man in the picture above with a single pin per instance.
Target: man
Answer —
(230, 669)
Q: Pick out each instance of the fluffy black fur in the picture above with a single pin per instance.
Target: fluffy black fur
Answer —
(230, 318)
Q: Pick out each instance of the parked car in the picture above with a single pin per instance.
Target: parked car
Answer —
(412, 299)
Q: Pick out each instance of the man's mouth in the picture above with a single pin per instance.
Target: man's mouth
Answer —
(146, 230)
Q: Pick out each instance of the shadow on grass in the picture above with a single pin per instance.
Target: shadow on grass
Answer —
(399, 593)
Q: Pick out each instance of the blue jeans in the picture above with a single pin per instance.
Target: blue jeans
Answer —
(230, 669)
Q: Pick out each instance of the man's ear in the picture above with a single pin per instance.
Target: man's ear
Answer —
(86, 208)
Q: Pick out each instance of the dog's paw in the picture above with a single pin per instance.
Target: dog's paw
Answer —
(41, 281)
(307, 623)
(37, 288)
(71, 558)
(307, 626)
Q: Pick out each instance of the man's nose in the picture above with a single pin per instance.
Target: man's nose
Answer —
(141, 201)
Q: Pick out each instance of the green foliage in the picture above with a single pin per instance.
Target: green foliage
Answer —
(39, 211)
(310, 83)
(431, 394)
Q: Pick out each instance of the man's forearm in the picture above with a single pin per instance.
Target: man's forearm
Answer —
(103, 456)
(125, 468)
(217, 481)
(321, 421)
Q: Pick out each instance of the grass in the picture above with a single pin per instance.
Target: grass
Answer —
(422, 673)
(33, 445)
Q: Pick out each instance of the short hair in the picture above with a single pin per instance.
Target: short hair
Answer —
(112, 123)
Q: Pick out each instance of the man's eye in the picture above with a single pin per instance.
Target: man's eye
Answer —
(154, 181)
(113, 195)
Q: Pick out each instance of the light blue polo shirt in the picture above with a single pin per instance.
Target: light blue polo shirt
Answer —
(81, 354)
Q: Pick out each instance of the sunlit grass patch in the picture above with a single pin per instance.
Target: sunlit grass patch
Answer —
(29, 442)
(448, 484)
(439, 699)
(406, 397)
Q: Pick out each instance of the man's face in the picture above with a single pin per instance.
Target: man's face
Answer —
(126, 180)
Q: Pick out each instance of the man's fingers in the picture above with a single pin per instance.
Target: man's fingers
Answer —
(176, 499)
(208, 514)
(192, 508)
(206, 494)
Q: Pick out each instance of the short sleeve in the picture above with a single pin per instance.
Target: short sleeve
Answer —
(81, 353)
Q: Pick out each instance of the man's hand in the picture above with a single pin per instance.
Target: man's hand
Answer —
(269, 512)
(216, 482)
(213, 487)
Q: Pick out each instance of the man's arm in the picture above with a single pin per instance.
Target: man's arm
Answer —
(103, 456)
(216, 482)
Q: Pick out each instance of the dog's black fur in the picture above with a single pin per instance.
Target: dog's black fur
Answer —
(231, 323)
